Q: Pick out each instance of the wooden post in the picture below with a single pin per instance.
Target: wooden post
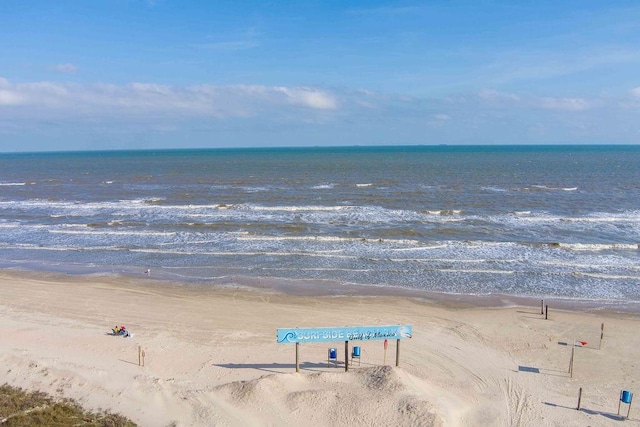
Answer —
(601, 335)
(573, 351)
(297, 357)
(579, 398)
(143, 358)
(139, 355)
(398, 352)
(541, 306)
(546, 312)
(346, 356)
(386, 344)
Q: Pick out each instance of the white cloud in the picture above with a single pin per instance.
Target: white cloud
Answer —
(517, 65)
(66, 68)
(209, 111)
(498, 97)
(566, 104)
(242, 40)
(140, 99)
(507, 100)
(8, 97)
(636, 91)
(310, 98)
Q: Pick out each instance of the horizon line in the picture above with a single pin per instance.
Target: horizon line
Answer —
(316, 147)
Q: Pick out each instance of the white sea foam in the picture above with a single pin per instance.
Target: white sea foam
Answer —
(109, 232)
(444, 212)
(236, 253)
(10, 184)
(421, 247)
(610, 276)
(336, 239)
(301, 208)
(495, 189)
(545, 187)
(599, 246)
(54, 248)
(476, 271)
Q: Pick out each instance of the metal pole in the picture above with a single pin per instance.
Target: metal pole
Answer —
(579, 398)
(619, 402)
(297, 358)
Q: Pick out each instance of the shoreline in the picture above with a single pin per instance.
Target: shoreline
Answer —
(328, 288)
(212, 356)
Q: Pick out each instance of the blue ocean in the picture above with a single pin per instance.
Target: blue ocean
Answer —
(535, 221)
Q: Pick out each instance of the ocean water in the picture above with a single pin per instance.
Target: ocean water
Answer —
(537, 221)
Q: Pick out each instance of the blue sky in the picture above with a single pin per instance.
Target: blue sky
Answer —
(78, 75)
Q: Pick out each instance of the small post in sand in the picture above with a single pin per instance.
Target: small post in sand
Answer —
(541, 306)
(546, 312)
(579, 398)
(139, 356)
(601, 335)
(573, 352)
(143, 358)
(397, 352)
(297, 357)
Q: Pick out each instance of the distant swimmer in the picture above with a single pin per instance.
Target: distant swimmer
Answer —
(148, 272)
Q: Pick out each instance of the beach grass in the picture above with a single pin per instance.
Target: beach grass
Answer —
(22, 408)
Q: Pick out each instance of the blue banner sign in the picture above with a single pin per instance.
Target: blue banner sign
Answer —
(348, 333)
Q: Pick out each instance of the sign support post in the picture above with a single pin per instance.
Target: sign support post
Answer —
(346, 356)
(386, 344)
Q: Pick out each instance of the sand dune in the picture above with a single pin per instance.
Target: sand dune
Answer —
(211, 357)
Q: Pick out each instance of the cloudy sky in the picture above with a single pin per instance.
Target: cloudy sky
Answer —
(114, 74)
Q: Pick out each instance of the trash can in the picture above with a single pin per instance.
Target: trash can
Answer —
(333, 353)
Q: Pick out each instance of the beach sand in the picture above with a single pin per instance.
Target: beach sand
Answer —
(211, 356)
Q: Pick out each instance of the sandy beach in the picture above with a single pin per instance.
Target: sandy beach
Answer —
(211, 356)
